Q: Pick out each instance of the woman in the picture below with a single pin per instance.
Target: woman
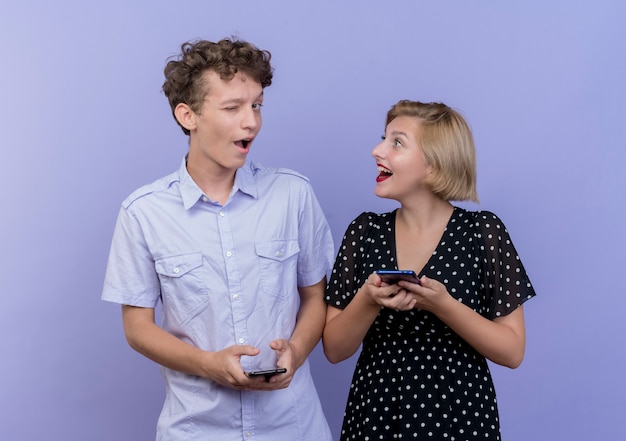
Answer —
(422, 372)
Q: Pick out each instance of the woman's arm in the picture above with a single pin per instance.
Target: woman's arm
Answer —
(502, 340)
(345, 329)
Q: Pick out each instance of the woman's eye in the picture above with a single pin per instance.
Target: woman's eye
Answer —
(397, 143)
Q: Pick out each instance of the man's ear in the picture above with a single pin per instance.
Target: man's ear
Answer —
(185, 116)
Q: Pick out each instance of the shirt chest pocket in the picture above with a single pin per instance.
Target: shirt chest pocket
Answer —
(278, 265)
(183, 290)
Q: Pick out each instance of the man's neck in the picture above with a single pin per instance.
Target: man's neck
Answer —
(215, 182)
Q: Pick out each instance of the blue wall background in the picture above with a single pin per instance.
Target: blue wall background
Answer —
(83, 123)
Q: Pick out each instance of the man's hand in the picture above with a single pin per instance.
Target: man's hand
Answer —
(224, 367)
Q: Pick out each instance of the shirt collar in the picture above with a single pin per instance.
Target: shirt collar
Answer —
(191, 193)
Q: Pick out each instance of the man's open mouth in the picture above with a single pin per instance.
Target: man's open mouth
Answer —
(243, 143)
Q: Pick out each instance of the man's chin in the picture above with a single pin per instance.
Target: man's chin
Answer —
(238, 163)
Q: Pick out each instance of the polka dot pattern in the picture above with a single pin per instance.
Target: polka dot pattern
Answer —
(415, 377)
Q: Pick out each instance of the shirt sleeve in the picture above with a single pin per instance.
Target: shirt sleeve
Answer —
(130, 277)
(316, 241)
(506, 281)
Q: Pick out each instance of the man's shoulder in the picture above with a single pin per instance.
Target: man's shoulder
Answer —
(158, 186)
(261, 171)
(290, 172)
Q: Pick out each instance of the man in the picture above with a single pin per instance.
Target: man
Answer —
(238, 255)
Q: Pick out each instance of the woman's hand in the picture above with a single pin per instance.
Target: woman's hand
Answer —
(393, 296)
(429, 294)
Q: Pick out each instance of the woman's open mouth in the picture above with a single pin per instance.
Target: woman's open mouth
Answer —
(383, 173)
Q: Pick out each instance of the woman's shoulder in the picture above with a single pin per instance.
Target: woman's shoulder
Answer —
(484, 218)
(368, 221)
(486, 224)
(370, 218)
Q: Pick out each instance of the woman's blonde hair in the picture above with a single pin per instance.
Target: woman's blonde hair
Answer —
(448, 146)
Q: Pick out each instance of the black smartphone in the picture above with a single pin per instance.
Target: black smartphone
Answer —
(393, 276)
(267, 373)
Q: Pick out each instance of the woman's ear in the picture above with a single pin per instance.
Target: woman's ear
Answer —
(185, 116)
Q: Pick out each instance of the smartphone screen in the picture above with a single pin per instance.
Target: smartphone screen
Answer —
(393, 276)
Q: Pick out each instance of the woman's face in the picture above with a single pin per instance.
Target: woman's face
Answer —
(400, 161)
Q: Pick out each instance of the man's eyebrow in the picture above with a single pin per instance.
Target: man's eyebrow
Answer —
(232, 101)
(239, 100)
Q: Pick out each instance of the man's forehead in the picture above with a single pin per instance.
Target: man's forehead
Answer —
(212, 77)
(240, 86)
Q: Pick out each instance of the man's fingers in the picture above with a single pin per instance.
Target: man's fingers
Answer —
(239, 350)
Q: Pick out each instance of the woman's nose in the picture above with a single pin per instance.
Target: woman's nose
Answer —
(378, 150)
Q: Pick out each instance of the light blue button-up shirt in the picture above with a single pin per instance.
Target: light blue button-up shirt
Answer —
(226, 275)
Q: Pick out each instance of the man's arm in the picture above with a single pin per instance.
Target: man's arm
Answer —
(309, 326)
(292, 353)
(150, 340)
(310, 321)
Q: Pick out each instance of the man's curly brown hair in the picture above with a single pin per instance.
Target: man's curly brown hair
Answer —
(184, 73)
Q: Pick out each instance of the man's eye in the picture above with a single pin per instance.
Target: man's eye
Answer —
(257, 106)
(397, 143)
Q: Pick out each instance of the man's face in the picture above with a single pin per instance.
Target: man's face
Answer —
(229, 120)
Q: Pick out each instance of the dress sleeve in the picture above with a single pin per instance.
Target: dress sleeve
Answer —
(506, 281)
(348, 275)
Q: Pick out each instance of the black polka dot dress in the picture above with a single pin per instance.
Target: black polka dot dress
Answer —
(416, 378)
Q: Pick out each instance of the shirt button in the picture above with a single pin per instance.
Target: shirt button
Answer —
(222, 214)
(278, 253)
(247, 433)
(235, 296)
(205, 199)
(229, 253)
(242, 341)
(176, 270)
